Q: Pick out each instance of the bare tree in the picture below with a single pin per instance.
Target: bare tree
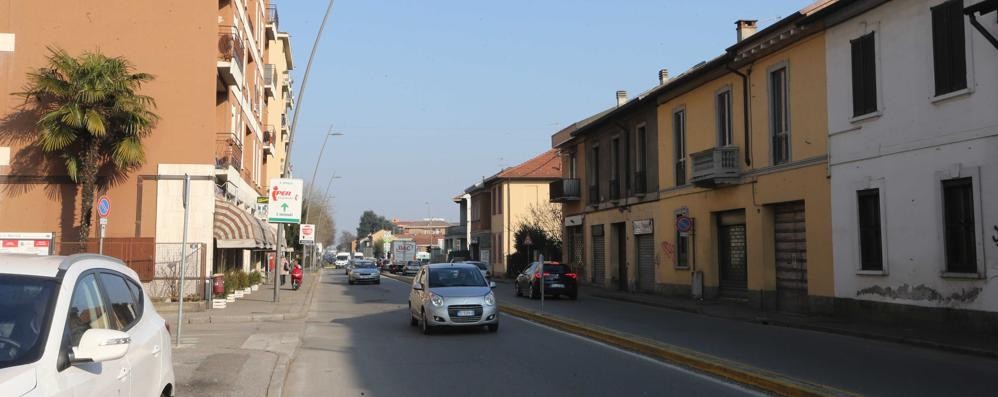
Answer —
(547, 217)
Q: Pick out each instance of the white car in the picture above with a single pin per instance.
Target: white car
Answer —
(341, 259)
(79, 326)
(452, 295)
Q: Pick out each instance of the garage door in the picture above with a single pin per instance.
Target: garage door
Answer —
(733, 255)
(599, 255)
(646, 261)
(791, 257)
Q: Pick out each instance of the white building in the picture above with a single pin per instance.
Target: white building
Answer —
(913, 157)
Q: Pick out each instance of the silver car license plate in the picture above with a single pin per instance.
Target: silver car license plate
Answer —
(465, 313)
(557, 285)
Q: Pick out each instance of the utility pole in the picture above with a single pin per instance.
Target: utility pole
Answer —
(291, 135)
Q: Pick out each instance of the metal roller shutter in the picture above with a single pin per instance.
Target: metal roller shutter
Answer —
(646, 262)
(599, 256)
(791, 257)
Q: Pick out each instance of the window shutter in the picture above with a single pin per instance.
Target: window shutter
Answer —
(857, 77)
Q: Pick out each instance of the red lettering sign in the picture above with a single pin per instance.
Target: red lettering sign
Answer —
(10, 243)
(41, 243)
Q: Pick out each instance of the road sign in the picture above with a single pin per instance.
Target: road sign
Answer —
(103, 206)
(306, 233)
(285, 201)
(684, 224)
(103, 221)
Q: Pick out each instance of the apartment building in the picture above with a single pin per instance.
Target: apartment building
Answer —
(715, 182)
(912, 92)
(209, 60)
(500, 203)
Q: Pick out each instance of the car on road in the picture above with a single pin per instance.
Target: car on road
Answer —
(452, 295)
(364, 272)
(79, 325)
(482, 266)
(411, 267)
(342, 259)
(558, 280)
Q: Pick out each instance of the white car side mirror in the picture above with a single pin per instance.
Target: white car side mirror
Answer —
(492, 284)
(417, 287)
(99, 345)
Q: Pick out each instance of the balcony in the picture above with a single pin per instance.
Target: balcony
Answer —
(286, 83)
(565, 190)
(717, 166)
(231, 56)
(272, 21)
(228, 151)
(269, 135)
(269, 75)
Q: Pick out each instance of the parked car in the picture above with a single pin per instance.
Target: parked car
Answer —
(411, 267)
(558, 280)
(482, 266)
(79, 325)
(364, 272)
(454, 295)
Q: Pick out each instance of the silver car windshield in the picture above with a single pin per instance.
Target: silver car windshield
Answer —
(456, 277)
(25, 311)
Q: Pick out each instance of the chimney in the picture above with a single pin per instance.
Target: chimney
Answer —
(745, 28)
(663, 76)
(621, 97)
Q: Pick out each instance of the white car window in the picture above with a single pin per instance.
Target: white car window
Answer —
(124, 308)
(86, 310)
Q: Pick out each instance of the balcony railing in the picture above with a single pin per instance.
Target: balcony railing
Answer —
(717, 166)
(228, 151)
(272, 17)
(269, 79)
(231, 56)
(269, 135)
(564, 190)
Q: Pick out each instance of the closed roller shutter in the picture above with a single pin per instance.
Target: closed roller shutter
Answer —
(646, 262)
(599, 255)
(791, 257)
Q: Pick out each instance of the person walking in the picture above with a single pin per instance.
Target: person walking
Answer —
(284, 271)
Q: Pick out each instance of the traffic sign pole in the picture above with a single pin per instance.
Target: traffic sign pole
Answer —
(103, 210)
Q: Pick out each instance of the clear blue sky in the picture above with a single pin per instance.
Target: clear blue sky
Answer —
(434, 95)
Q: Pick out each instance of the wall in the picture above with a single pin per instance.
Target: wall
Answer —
(902, 150)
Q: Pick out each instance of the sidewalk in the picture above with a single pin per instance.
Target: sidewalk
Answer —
(257, 306)
(742, 335)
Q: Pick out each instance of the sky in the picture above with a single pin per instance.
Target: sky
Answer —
(434, 95)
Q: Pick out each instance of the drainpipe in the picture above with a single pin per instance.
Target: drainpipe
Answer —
(745, 112)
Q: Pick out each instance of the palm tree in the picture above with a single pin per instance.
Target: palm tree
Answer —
(91, 118)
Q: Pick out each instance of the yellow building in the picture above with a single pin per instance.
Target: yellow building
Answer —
(722, 191)
(278, 90)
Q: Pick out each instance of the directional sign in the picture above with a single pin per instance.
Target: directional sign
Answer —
(285, 197)
(103, 206)
(684, 224)
(306, 233)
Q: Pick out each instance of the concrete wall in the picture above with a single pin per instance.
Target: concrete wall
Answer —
(915, 141)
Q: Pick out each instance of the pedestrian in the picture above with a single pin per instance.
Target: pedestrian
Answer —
(284, 271)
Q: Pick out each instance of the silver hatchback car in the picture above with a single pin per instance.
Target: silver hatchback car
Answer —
(454, 295)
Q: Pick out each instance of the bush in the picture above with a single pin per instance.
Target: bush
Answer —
(243, 280)
(254, 278)
(229, 283)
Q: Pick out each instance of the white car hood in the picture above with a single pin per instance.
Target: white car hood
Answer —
(18, 381)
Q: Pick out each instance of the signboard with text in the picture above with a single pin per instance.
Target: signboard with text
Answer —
(285, 196)
(261, 207)
(306, 233)
(26, 243)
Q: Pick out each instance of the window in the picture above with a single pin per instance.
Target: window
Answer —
(86, 310)
(723, 106)
(640, 160)
(594, 175)
(571, 166)
(679, 150)
(949, 58)
(615, 168)
(682, 249)
(780, 115)
(124, 308)
(958, 216)
(864, 75)
(499, 199)
(870, 244)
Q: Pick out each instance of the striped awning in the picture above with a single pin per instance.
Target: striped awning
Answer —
(236, 228)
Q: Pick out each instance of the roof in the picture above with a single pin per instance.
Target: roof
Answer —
(423, 239)
(30, 265)
(545, 165)
(424, 224)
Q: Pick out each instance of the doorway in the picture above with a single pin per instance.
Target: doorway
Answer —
(791, 257)
(620, 243)
(732, 255)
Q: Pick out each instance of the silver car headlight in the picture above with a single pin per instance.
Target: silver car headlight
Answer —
(490, 299)
(437, 301)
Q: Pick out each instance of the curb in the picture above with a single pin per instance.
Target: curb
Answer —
(765, 380)
(300, 313)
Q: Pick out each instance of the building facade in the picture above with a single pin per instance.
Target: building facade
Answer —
(739, 204)
(213, 128)
(913, 132)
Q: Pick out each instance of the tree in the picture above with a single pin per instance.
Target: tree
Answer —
(317, 210)
(345, 239)
(371, 222)
(542, 243)
(91, 118)
(547, 217)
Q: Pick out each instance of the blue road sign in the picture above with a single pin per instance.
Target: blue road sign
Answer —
(684, 224)
(103, 206)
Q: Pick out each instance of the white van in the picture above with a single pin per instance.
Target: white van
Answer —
(341, 259)
(358, 255)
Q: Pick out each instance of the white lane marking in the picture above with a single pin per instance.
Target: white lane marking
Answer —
(708, 378)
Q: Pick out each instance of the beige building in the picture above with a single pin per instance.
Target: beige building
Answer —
(500, 203)
(210, 62)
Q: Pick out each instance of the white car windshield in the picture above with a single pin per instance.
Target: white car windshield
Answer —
(456, 277)
(25, 311)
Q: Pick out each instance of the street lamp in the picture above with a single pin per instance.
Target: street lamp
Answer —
(311, 263)
(311, 185)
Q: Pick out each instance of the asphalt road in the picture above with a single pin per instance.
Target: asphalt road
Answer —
(357, 342)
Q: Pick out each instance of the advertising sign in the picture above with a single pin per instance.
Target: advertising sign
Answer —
(306, 233)
(26, 243)
(285, 200)
(261, 207)
(645, 226)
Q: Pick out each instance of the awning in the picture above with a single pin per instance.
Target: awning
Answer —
(235, 228)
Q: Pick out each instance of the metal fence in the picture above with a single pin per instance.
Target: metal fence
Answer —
(157, 264)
